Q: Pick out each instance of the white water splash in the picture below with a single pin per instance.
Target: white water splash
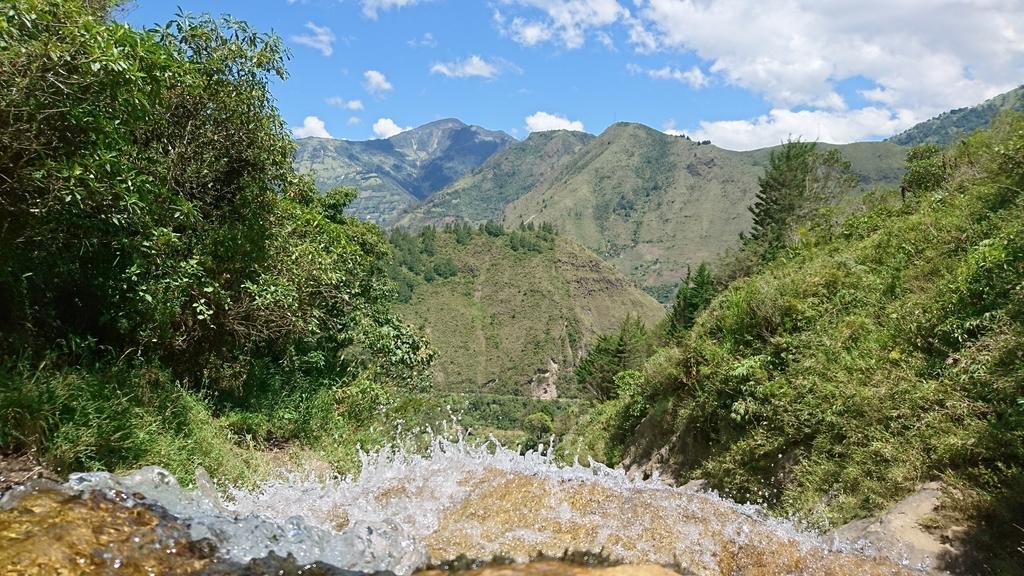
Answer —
(406, 508)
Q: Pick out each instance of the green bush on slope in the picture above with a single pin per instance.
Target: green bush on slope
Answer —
(863, 362)
(152, 222)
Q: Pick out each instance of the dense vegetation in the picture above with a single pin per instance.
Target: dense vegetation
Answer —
(501, 304)
(170, 290)
(951, 126)
(863, 358)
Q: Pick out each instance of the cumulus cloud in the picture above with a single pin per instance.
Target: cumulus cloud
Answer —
(694, 77)
(339, 102)
(376, 82)
(541, 121)
(353, 120)
(320, 38)
(808, 125)
(920, 57)
(311, 127)
(465, 68)
(568, 21)
(372, 7)
(386, 128)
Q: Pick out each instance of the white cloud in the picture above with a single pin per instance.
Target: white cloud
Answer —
(425, 41)
(694, 76)
(386, 128)
(320, 38)
(919, 57)
(923, 55)
(339, 102)
(541, 121)
(465, 68)
(376, 82)
(808, 125)
(372, 7)
(311, 126)
(353, 120)
(568, 21)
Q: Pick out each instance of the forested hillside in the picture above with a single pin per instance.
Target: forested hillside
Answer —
(856, 358)
(509, 311)
(950, 126)
(171, 291)
(654, 205)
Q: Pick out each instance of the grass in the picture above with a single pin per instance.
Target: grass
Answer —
(507, 314)
(120, 418)
(864, 362)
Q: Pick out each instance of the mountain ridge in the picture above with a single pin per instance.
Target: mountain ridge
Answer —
(397, 172)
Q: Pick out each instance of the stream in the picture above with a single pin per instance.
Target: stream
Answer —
(403, 512)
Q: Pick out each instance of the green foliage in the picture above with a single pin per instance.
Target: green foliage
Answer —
(151, 213)
(925, 170)
(693, 295)
(797, 185)
(115, 418)
(833, 381)
(613, 353)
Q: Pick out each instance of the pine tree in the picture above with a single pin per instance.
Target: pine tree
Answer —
(702, 290)
(678, 319)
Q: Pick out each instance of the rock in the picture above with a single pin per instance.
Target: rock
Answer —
(542, 385)
(898, 533)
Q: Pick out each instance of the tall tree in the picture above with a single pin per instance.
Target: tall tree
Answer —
(798, 183)
(694, 294)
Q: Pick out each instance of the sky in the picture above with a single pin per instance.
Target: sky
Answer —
(743, 74)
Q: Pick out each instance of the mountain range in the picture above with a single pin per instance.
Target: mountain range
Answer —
(396, 173)
(650, 203)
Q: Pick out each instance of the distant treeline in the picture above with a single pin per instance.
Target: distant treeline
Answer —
(427, 255)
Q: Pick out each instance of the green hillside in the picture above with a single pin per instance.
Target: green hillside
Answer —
(501, 307)
(394, 174)
(865, 358)
(482, 194)
(653, 204)
(949, 127)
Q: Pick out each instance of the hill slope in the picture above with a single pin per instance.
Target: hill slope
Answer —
(876, 355)
(483, 193)
(501, 309)
(400, 171)
(950, 126)
(652, 204)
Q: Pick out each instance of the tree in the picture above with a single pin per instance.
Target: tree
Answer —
(694, 294)
(148, 204)
(798, 183)
(625, 349)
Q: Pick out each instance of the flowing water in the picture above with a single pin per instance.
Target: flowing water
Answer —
(402, 512)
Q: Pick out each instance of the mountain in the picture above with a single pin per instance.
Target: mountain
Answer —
(483, 193)
(647, 202)
(395, 173)
(948, 127)
(653, 204)
(510, 312)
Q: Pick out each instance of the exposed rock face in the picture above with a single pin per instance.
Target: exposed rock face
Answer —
(898, 533)
(543, 384)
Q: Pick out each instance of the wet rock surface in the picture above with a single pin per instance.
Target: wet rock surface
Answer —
(402, 512)
(900, 532)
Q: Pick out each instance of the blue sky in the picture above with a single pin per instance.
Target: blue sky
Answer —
(741, 73)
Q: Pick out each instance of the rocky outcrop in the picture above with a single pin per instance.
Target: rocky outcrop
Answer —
(900, 534)
(543, 384)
